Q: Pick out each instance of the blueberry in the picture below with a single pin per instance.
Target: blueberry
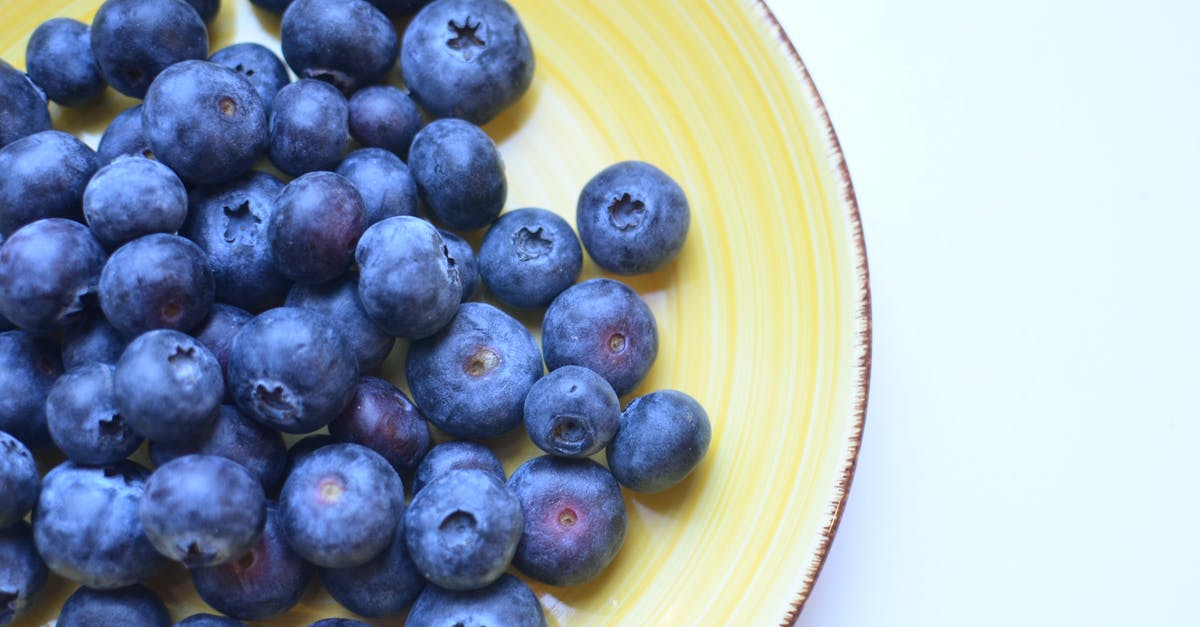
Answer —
(382, 116)
(462, 529)
(459, 173)
(90, 341)
(632, 218)
(205, 121)
(456, 455)
(467, 59)
(304, 447)
(132, 197)
(209, 620)
(123, 138)
(19, 481)
(507, 601)
(23, 107)
(266, 73)
(604, 326)
(229, 222)
(168, 386)
(407, 282)
(206, 9)
(663, 436)
(22, 571)
(386, 186)
(59, 59)
(529, 256)
(259, 449)
(317, 221)
(157, 281)
(339, 301)
(84, 422)
(340, 506)
(348, 43)
(217, 331)
(459, 250)
(268, 580)
(291, 370)
(133, 605)
(384, 586)
(87, 526)
(310, 127)
(28, 367)
(49, 272)
(382, 418)
(572, 412)
(44, 177)
(135, 40)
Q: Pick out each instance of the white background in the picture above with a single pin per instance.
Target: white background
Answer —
(1029, 178)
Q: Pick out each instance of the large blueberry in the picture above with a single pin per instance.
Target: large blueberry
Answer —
(205, 121)
(90, 341)
(507, 601)
(59, 59)
(168, 386)
(633, 218)
(22, 571)
(348, 43)
(133, 605)
(84, 421)
(384, 586)
(266, 73)
(407, 282)
(310, 127)
(467, 59)
(19, 480)
(572, 412)
(382, 116)
(472, 377)
(44, 177)
(132, 197)
(28, 367)
(259, 449)
(157, 281)
(135, 40)
(23, 106)
(88, 528)
(339, 301)
(291, 370)
(663, 436)
(382, 418)
(604, 326)
(384, 182)
(123, 137)
(49, 273)
(456, 455)
(463, 255)
(340, 506)
(313, 232)
(529, 256)
(459, 173)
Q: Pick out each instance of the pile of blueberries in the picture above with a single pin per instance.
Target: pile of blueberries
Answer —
(160, 290)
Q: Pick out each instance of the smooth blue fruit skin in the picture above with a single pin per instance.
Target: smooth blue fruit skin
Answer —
(456, 455)
(304, 447)
(265, 71)
(259, 449)
(575, 519)
(123, 137)
(407, 282)
(203, 510)
(135, 40)
(157, 281)
(132, 197)
(310, 127)
(49, 274)
(459, 250)
(44, 177)
(266, 581)
(84, 422)
(93, 340)
(339, 301)
(22, 571)
(205, 121)
(663, 437)
(23, 106)
(206, 9)
(168, 386)
(467, 59)
(462, 529)
(59, 59)
(382, 418)
(459, 173)
(216, 333)
(209, 620)
(28, 368)
(382, 116)
(472, 377)
(572, 412)
(507, 601)
(384, 586)
(633, 218)
(291, 370)
(348, 43)
(604, 326)
(19, 481)
(87, 525)
(316, 225)
(529, 256)
(133, 605)
(229, 223)
(340, 505)
(383, 181)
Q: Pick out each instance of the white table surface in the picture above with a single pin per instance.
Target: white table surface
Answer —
(1029, 178)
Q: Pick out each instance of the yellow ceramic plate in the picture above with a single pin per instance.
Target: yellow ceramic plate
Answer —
(764, 317)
